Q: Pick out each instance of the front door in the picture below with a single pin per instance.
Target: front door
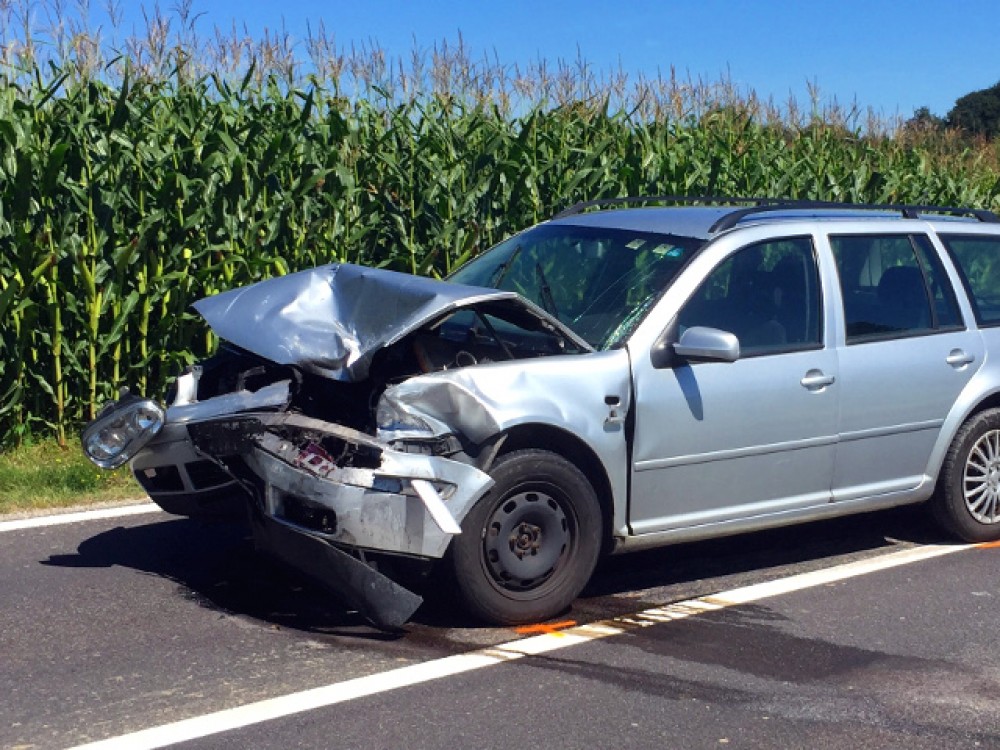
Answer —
(719, 441)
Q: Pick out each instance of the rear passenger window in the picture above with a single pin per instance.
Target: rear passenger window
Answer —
(891, 286)
(978, 260)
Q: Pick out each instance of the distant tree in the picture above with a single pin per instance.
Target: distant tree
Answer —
(924, 120)
(978, 112)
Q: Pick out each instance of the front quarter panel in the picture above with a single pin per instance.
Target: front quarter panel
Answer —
(573, 393)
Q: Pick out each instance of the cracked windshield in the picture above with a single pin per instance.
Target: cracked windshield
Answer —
(598, 282)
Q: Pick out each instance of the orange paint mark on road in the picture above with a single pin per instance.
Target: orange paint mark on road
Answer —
(550, 628)
(989, 545)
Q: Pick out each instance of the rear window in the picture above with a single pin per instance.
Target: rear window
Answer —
(978, 261)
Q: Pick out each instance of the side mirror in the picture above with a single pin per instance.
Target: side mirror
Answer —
(701, 344)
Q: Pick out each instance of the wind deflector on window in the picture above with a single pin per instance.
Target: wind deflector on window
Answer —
(330, 320)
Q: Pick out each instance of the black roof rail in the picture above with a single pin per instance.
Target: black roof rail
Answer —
(764, 205)
(908, 211)
(708, 200)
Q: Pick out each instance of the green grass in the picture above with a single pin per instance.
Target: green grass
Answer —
(41, 475)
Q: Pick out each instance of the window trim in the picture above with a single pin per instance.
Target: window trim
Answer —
(790, 349)
(869, 338)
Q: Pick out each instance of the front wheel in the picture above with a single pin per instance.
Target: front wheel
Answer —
(967, 500)
(529, 546)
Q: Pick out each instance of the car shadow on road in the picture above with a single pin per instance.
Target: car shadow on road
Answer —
(699, 568)
(214, 564)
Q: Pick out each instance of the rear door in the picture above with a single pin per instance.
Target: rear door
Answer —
(905, 358)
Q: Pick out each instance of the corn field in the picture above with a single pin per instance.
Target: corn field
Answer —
(124, 198)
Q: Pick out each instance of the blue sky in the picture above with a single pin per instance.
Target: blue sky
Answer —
(890, 56)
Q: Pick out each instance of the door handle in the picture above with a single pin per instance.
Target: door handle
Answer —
(959, 359)
(816, 380)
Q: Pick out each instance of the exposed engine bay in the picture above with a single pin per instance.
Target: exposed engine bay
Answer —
(461, 339)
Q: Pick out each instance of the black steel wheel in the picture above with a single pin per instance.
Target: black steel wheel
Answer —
(967, 500)
(529, 546)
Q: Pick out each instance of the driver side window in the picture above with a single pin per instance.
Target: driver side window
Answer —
(767, 294)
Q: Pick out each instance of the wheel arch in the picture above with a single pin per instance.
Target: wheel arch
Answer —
(577, 452)
(953, 423)
(975, 517)
(992, 401)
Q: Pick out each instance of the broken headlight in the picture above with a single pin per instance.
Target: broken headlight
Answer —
(120, 431)
(395, 421)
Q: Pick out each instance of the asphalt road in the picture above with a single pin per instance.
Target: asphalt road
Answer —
(111, 627)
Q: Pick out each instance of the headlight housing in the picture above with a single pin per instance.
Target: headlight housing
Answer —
(393, 419)
(121, 431)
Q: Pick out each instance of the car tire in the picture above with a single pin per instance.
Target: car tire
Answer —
(967, 500)
(530, 544)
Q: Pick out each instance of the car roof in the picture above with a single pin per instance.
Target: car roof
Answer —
(687, 221)
(705, 222)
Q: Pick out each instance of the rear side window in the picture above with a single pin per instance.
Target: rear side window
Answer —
(978, 260)
(892, 286)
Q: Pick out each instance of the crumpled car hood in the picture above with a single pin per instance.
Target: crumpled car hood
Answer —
(330, 320)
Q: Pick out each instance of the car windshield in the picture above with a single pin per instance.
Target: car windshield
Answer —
(598, 282)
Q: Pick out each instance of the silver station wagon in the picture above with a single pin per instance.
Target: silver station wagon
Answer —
(613, 379)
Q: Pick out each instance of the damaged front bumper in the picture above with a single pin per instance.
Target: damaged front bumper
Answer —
(404, 503)
(323, 498)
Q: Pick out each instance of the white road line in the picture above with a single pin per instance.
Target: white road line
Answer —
(340, 692)
(59, 519)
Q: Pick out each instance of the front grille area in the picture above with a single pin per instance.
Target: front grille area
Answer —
(205, 474)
